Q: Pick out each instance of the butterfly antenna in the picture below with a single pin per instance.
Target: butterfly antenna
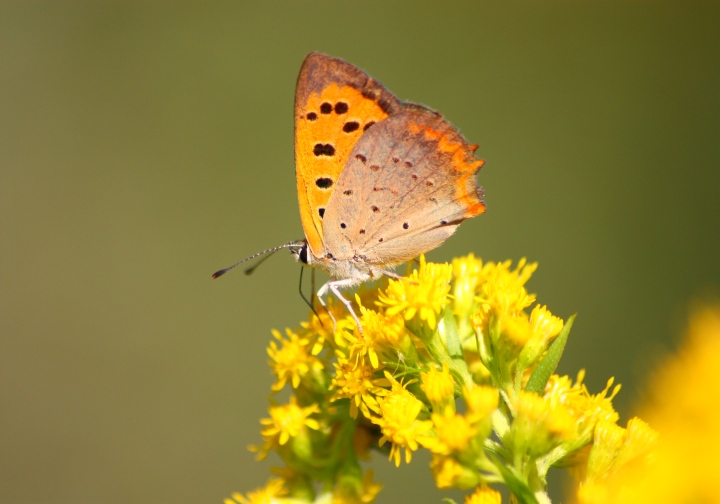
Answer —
(269, 252)
(251, 269)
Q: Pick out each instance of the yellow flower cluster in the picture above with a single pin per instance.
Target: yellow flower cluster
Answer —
(450, 360)
(424, 293)
(635, 464)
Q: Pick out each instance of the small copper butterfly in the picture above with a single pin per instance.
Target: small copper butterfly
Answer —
(380, 181)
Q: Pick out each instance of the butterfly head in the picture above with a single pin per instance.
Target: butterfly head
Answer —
(300, 252)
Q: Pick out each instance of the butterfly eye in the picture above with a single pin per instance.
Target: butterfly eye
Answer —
(302, 255)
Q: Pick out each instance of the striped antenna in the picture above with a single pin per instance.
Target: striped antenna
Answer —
(269, 252)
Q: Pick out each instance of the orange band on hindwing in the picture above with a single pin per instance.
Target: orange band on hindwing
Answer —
(464, 165)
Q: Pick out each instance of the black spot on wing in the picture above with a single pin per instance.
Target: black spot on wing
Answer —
(351, 126)
(385, 105)
(324, 150)
(324, 182)
(370, 94)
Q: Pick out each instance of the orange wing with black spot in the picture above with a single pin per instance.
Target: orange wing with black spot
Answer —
(335, 103)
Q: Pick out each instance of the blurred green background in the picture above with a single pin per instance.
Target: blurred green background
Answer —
(145, 145)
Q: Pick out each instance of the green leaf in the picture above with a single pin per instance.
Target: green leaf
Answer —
(549, 363)
(452, 335)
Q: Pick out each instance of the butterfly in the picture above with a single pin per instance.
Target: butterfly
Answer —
(380, 181)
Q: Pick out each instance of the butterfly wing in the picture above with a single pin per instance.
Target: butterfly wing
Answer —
(335, 104)
(407, 185)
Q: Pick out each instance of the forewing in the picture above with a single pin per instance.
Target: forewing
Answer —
(335, 103)
(407, 185)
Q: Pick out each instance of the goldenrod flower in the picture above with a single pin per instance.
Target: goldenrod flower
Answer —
(501, 324)
(398, 421)
(481, 401)
(484, 495)
(382, 335)
(543, 327)
(504, 291)
(476, 367)
(607, 441)
(423, 293)
(502, 300)
(539, 425)
(449, 473)
(586, 409)
(442, 329)
(618, 461)
(439, 387)
(286, 422)
(271, 493)
(454, 434)
(321, 327)
(292, 360)
(354, 380)
(468, 274)
(683, 407)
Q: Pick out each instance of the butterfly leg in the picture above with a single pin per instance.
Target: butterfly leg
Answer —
(390, 274)
(377, 272)
(334, 287)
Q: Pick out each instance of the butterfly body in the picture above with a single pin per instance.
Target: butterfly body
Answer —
(380, 181)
